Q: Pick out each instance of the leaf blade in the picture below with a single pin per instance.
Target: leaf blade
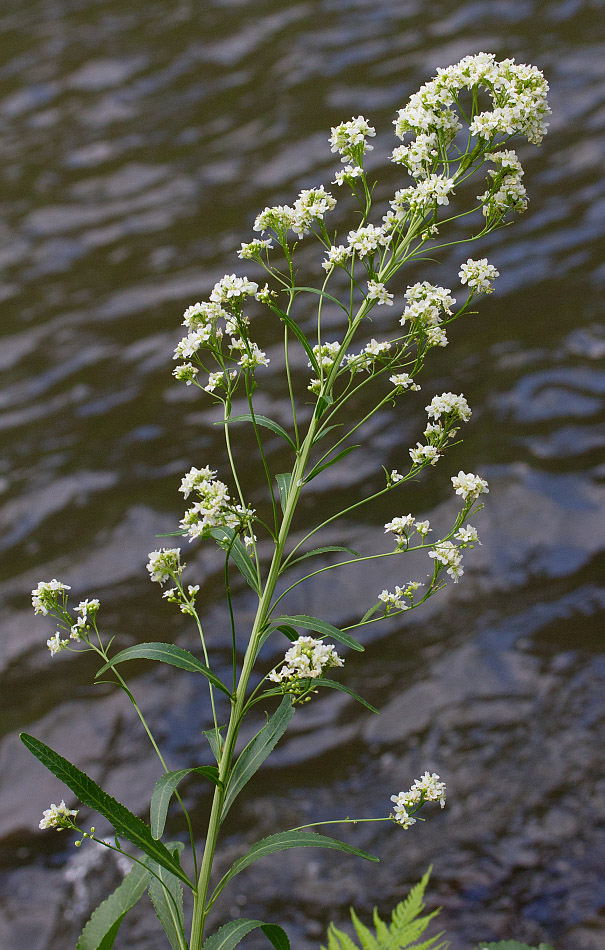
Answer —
(126, 824)
(232, 933)
(165, 653)
(283, 482)
(103, 924)
(166, 895)
(257, 750)
(333, 684)
(320, 626)
(165, 788)
(261, 421)
(283, 841)
(227, 538)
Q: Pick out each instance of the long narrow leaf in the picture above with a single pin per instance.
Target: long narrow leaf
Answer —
(238, 554)
(322, 293)
(166, 653)
(165, 788)
(257, 751)
(337, 458)
(166, 895)
(126, 824)
(215, 741)
(283, 842)
(333, 684)
(233, 933)
(104, 923)
(261, 421)
(295, 329)
(321, 626)
(283, 482)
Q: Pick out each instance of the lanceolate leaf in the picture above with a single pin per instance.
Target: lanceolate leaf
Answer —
(284, 841)
(166, 895)
(215, 741)
(320, 626)
(164, 790)
(344, 689)
(295, 329)
(257, 751)
(238, 554)
(166, 653)
(283, 482)
(261, 421)
(101, 930)
(233, 933)
(126, 824)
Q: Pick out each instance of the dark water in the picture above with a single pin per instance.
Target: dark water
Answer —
(137, 142)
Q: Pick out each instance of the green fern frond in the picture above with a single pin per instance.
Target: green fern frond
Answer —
(405, 929)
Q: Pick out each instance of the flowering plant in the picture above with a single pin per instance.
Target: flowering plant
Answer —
(448, 137)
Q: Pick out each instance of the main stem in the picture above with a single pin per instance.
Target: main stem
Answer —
(200, 910)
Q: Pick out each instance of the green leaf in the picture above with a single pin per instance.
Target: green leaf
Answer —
(295, 329)
(321, 626)
(166, 895)
(257, 751)
(126, 824)
(337, 458)
(325, 550)
(164, 790)
(322, 404)
(288, 631)
(333, 684)
(215, 742)
(283, 482)
(102, 928)
(283, 842)
(232, 933)
(166, 653)
(261, 421)
(322, 293)
(226, 537)
(324, 433)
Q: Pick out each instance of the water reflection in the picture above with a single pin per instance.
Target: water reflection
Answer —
(138, 142)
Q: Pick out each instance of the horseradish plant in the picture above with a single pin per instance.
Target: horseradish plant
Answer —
(455, 127)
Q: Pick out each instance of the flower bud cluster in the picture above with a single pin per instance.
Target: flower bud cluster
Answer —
(478, 275)
(349, 139)
(165, 565)
(394, 600)
(507, 191)
(427, 788)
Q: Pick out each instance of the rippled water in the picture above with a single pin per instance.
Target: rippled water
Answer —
(137, 142)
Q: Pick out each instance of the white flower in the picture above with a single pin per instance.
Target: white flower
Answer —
(393, 601)
(231, 289)
(337, 255)
(214, 380)
(202, 314)
(307, 658)
(424, 453)
(366, 240)
(403, 381)
(378, 292)
(436, 336)
(467, 535)
(348, 173)
(253, 250)
(278, 219)
(45, 595)
(374, 348)
(326, 354)
(254, 358)
(428, 788)
(310, 206)
(469, 486)
(56, 644)
(185, 372)
(426, 303)
(448, 554)
(349, 138)
(395, 476)
(58, 816)
(191, 343)
(164, 564)
(478, 275)
(449, 404)
(423, 527)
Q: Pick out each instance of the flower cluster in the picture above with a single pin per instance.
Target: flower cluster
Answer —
(349, 139)
(86, 611)
(430, 191)
(58, 816)
(449, 405)
(164, 565)
(427, 788)
(469, 486)
(426, 303)
(394, 600)
(507, 191)
(306, 659)
(446, 553)
(214, 507)
(401, 528)
(45, 596)
(311, 205)
(478, 275)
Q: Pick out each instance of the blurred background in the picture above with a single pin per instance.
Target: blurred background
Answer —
(137, 143)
